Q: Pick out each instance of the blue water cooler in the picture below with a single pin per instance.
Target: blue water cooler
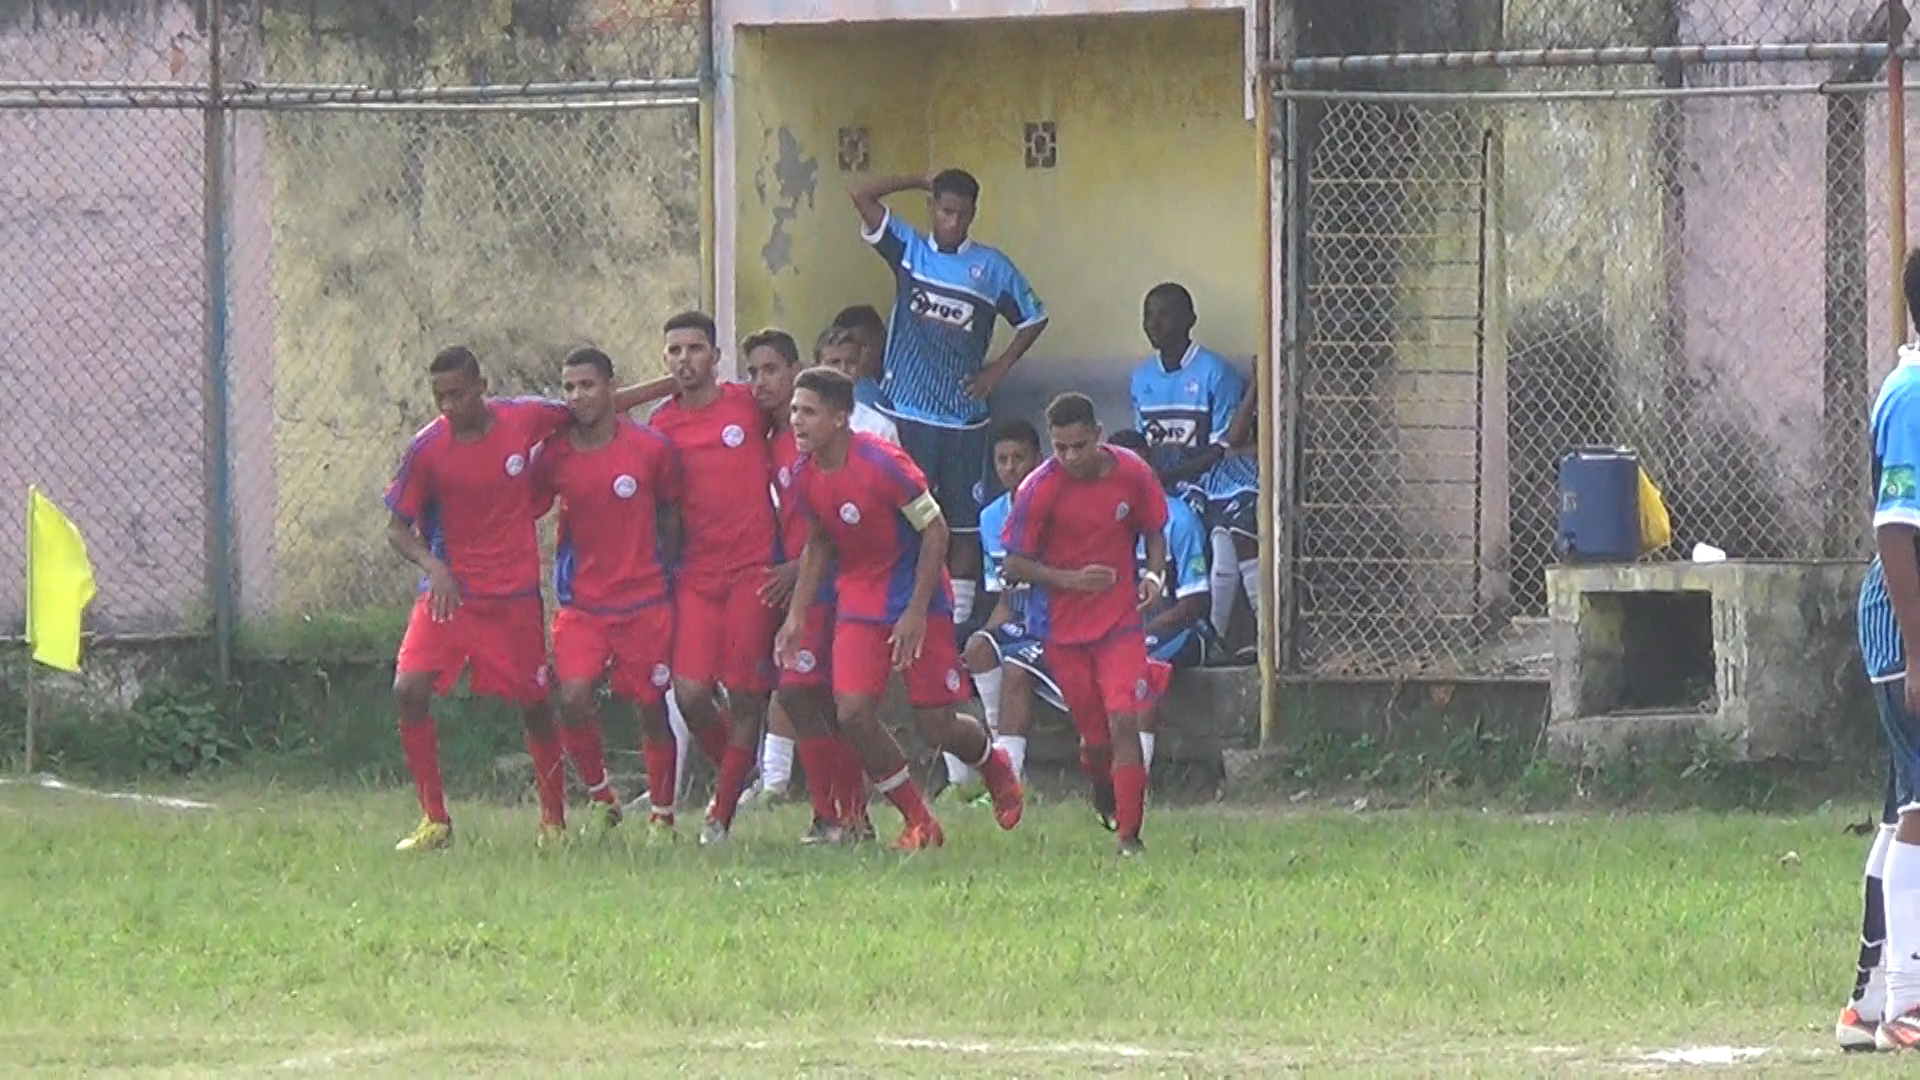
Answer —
(1599, 505)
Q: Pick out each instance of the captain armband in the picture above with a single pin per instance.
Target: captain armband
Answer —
(922, 511)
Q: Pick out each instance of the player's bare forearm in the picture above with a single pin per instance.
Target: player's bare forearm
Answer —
(1184, 613)
(1157, 554)
(1001, 615)
(866, 196)
(933, 561)
(1194, 467)
(1901, 566)
(813, 573)
(403, 539)
(629, 398)
(1035, 572)
(1017, 348)
(1240, 431)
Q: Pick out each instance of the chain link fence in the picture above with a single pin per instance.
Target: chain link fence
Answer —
(1695, 262)
(386, 188)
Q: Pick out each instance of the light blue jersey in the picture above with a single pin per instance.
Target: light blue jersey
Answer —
(867, 392)
(944, 307)
(1186, 569)
(1029, 607)
(1186, 410)
(1896, 485)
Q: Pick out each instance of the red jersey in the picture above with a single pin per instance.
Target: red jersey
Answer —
(473, 502)
(863, 508)
(1067, 524)
(608, 558)
(726, 468)
(793, 521)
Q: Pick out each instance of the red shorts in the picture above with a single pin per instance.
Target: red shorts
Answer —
(726, 638)
(503, 640)
(813, 653)
(1108, 676)
(863, 662)
(631, 649)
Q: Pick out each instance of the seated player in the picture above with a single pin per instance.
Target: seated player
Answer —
(1186, 401)
(618, 485)
(461, 509)
(870, 513)
(869, 333)
(802, 715)
(1072, 535)
(1002, 656)
(723, 630)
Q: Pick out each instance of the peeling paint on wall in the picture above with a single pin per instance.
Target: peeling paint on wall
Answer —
(794, 177)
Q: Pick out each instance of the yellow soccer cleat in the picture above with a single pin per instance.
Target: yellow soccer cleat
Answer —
(429, 835)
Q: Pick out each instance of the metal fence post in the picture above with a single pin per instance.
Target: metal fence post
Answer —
(218, 465)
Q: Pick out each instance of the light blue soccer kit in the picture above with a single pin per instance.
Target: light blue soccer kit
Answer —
(1184, 411)
(1896, 484)
(944, 309)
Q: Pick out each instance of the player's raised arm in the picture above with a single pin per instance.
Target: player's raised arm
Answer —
(629, 398)
(866, 199)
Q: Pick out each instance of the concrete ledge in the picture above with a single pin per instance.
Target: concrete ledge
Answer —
(1760, 656)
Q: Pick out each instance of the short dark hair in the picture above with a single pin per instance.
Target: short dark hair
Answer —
(773, 338)
(1069, 409)
(455, 358)
(1016, 430)
(831, 336)
(1910, 284)
(1175, 293)
(955, 182)
(588, 356)
(860, 317)
(831, 385)
(694, 320)
(1129, 440)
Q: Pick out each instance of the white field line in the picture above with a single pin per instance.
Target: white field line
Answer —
(1057, 1049)
(53, 783)
(334, 1059)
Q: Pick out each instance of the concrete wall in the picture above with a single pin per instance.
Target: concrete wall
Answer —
(1154, 181)
(359, 243)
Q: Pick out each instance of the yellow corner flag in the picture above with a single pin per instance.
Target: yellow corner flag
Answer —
(59, 584)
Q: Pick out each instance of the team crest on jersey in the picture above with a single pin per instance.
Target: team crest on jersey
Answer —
(662, 675)
(733, 435)
(850, 513)
(624, 486)
(804, 661)
(943, 309)
(515, 464)
(786, 476)
(980, 491)
(540, 676)
(976, 271)
(1120, 512)
(1140, 690)
(1193, 387)
(953, 679)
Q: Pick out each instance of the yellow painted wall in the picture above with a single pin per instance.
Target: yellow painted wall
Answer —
(1155, 178)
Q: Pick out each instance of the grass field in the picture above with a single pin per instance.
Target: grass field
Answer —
(277, 934)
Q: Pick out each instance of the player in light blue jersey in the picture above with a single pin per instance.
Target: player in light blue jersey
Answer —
(869, 330)
(1004, 655)
(948, 293)
(1186, 398)
(1884, 1012)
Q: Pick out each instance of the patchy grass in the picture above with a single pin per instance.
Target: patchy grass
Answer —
(278, 934)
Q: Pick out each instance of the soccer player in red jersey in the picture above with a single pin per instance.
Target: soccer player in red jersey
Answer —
(618, 483)
(803, 706)
(723, 630)
(868, 507)
(1072, 534)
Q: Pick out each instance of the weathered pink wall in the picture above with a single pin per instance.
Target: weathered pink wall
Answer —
(101, 324)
